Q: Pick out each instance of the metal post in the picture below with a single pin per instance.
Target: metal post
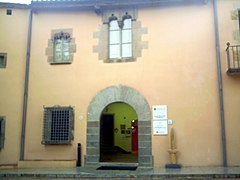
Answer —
(233, 55)
(228, 55)
(237, 56)
(25, 96)
(79, 154)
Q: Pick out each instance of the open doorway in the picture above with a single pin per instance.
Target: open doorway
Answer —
(119, 134)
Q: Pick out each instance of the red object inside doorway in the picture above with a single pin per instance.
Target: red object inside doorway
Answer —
(134, 136)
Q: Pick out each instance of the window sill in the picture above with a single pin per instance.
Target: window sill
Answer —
(58, 63)
(120, 60)
(56, 143)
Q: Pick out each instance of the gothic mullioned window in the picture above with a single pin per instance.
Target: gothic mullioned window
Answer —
(61, 47)
(120, 37)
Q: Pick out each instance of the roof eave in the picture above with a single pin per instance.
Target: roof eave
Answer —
(107, 4)
(14, 5)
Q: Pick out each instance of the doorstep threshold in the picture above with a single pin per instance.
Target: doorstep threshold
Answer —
(118, 164)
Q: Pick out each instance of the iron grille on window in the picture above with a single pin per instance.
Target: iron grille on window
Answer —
(58, 125)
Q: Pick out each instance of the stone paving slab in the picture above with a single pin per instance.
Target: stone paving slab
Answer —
(140, 173)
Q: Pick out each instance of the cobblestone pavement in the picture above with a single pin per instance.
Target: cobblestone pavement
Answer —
(157, 178)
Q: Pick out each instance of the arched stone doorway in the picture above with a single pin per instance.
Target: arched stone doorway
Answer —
(119, 134)
(138, 102)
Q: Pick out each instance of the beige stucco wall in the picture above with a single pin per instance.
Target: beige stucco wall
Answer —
(60, 84)
(228, 27)
(182, 74)
(178, 70)
(13, 35)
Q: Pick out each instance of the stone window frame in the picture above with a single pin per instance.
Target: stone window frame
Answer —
(50, 50)
(103, 36)
(3, 60)
(53, 138)
(2, 131)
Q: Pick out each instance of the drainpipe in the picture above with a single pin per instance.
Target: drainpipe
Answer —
(220, 85)
(25, 96)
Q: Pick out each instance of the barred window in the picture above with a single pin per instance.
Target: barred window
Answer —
(2, 132)
(58, 125)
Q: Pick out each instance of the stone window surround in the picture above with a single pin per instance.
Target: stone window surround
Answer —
(62, 111)
(131, 97)
(103, 36)
(50, 49)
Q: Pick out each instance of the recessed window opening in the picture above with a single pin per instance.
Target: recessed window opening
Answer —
(3, 60)
(2, 132)
(9, 12)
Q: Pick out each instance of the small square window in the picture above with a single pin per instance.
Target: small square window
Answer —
(2, 132)
(58, 125)
(3, 60)
(9, 12)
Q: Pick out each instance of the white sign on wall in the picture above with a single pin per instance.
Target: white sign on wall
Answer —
(159, 112)
(160, 127)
